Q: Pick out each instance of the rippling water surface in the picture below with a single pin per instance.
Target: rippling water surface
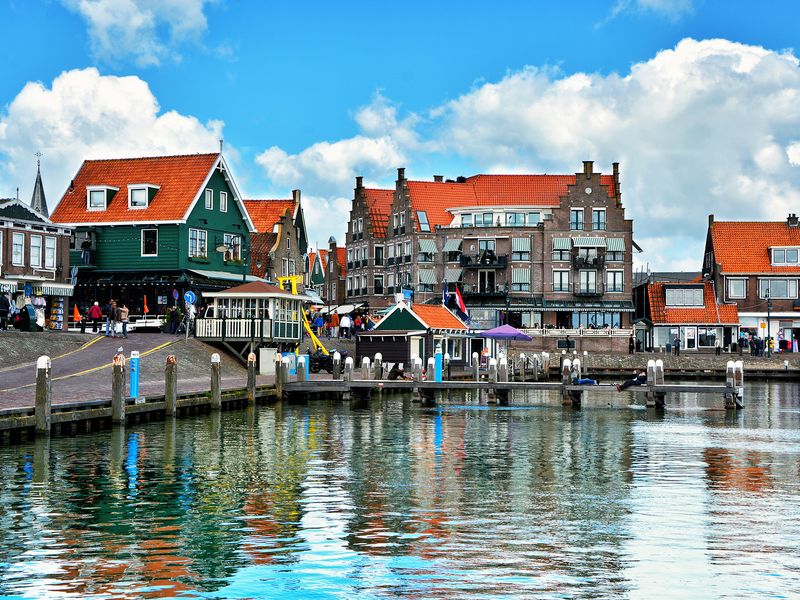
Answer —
(328, 501)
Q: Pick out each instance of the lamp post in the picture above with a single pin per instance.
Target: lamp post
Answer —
(769, 326)
(508, 302)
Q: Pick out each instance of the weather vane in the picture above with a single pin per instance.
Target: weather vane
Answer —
(38, 156)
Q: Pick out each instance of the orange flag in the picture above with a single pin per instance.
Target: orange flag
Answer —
(76, 314)
(145, 310)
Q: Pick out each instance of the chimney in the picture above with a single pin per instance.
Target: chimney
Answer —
(710, 220)
(438, 178)
(792, 220)
(587, 168)
(401, 174)
(617, 194)
(296, 196)
(71, 185)
(359, 182)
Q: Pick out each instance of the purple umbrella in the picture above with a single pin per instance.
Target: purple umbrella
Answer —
(505, 332)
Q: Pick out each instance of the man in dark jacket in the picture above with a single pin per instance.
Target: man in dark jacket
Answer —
(5, 307)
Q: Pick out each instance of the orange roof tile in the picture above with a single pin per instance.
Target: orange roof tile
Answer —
(379, 206)
(491, 190)
(711, 313)
(179, 179)
(743, 246)
(341, 258)
(265, 213)
(437, 316)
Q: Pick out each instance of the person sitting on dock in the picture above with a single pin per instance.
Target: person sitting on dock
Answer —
(396, 373)
(639, 378)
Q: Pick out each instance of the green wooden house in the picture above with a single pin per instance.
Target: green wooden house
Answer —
(153, 228)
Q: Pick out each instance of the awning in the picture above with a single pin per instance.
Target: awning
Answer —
(427, 246)
(615, 244)
(521, 244)
(588, 242)
(345, 309)
(580, 306)
(453, 245)
(224, 275)
(7, 285)
(452, 275)
(520, 275)
(54, 289)
(427, 277)
(562, 243)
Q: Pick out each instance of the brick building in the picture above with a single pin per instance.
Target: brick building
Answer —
(531, 250)
(756, 265)
(325, 273)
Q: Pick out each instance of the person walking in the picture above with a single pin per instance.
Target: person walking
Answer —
(676, 345)
(124, 311)
(95, 314)
(717, 348)
(335, 325)
(113, 319)
(5, 307)
(631, 345)
(344, 323)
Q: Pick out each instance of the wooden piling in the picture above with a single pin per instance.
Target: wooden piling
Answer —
(279, 380)
(171, 386)
(216, 382)
(491, 393)
(348, 368)
(118, 389)
(566, 379)
(476, 366)
(301, 367)
(337, 366)
(251, 378)
(377, 367)
(430, 371)
(365, 368)
(44, 391)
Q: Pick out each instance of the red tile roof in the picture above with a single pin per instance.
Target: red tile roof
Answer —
(179, 179)
(256, 287)
(437, 316)
(491, 190)
(341, 258)
(260, 246)
(712, 313)
(266, 212)
(379, 207)
(743, 246)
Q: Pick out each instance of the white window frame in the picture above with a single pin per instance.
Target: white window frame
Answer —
(48, 242)
(141, 246)
(223, 202)
(610, 277)
(403, 219)
(233, 246)
(605, 223)
(466, 220)
(730, 280)
(18, 262)
(131, 191)
(683, 303)
(591, 277)
(791, 287)
(38, 257)
(98, 188)
(209, 199)
(202, 234)
(583, 219)
(562, 288)
(785, 251)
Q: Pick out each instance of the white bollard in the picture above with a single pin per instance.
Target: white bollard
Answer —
(502, 370)
(377, 366)
(301, 367)
(348, 368)
(365, 368)
(566, 371)
(659, 372)
(337, 365)
(430, 371)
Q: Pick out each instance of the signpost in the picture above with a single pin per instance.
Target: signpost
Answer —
(190, 297)
(135, 375)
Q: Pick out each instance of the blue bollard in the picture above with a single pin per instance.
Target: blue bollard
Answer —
(134, 374)
(439, 365)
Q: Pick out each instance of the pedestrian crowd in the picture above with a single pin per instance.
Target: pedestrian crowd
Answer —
(339, 326)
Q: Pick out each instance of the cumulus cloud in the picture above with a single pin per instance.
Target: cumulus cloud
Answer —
(84, 115)
(672, 10)
(144, 31)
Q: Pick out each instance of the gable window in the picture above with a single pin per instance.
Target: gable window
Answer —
(137, 198)
(676, 296)
(598, 218)
(97, 199)
(483, 219)
(422, 217)
(36, 251)
(233, 246)
(466, 220)
(223, 202)
(49, 253)
(288, 241)
(209, 199)
(149, 242)
(737, 288)
(576, 219)
(18, 249)
(784, 256)
(777, 288)
(515, 219)
(402, 221)
(198, 243)
(534, 218)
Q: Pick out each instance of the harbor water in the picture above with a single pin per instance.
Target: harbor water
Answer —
(389, 499)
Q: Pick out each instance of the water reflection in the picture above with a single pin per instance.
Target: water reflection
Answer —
(393, 499)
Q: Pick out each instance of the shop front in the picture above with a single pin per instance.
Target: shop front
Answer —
(40, 305)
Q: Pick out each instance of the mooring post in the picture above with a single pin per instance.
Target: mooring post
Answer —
(279, 381)
(523, 363)
(171, 386)
(585, 363)
(730, 383)
(566, 379)
(251, 378)
(348, 368)
(365, 369)
(651, 383)
(337, 365)
(430, 370)
(377, 367)
(491, 377)
(44, 391)
(660, 397)
(447, 366)
(738, 380)
(576, 369)
(216, 376)
(502, 370)
(118, 389)
(546, 364)
(301, 367)
(476, 366)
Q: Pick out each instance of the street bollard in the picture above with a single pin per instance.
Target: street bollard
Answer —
(301, 367)
(365, 368)
(171, 386)
(377, 367)
(118, 389)
(216, 377)
(44, 391)
(348, 368)
(337, 366)
(438, 363)
(134, 375)
(251, 378)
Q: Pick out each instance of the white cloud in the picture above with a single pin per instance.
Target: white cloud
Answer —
(120, 30)
(85, 115)
(672, 10)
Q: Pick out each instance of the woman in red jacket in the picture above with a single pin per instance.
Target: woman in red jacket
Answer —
(95, 314)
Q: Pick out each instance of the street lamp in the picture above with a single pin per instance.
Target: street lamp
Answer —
(508, 302)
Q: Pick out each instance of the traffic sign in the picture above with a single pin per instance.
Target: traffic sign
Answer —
(190, 297)
(175, 294)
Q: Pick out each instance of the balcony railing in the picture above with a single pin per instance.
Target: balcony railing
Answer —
(584, 290)
(588, 262)
(484, 261)
(473, 291)
(390, 260)
(575, 333)
(233, 329)
(407, 258)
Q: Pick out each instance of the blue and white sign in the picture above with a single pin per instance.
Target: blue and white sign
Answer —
(190, 297)
(175, 294)
(27, 289)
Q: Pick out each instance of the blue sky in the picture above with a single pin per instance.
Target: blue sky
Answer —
(308, 95)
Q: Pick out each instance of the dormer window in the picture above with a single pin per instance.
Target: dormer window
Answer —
(684, 296)
(140, 194)
(98, 196)
(784, 256)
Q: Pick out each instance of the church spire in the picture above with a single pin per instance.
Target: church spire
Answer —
(38, 201)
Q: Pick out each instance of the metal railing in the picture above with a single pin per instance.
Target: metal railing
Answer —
(582, 332)
(233, 328)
